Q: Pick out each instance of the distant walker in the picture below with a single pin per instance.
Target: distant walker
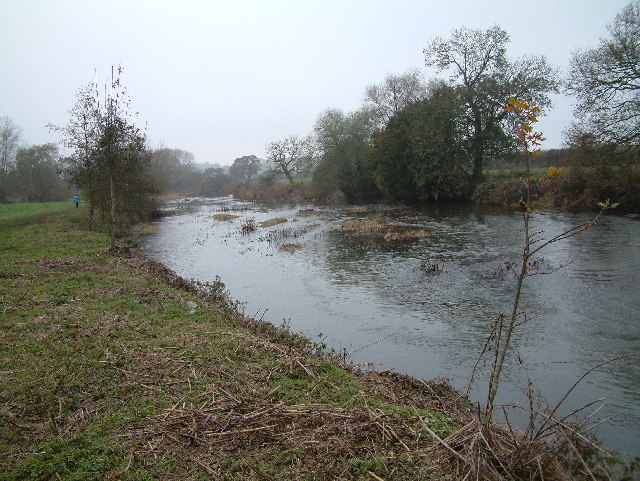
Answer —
(76, 199)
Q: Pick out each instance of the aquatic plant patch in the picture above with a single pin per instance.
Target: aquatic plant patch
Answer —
(291, 248)
(381, 227)
(272, 222)
(225, 217)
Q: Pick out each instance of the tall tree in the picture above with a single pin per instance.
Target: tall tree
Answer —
(394, 94)
(173, 170)
(214, 182)
(245, 168)
(606, 82)
(343, 142)
(423, 151)
(80, 136)
(290, 156)
(486, 78)
(9, 140)
(110, 158)
(36, 175)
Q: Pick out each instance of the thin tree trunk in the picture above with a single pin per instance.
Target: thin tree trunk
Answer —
(478, 150)
(503, 347)
(288, 175)
(113, 211)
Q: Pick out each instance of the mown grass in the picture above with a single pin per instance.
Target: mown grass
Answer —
(111, 367)
(27, 212)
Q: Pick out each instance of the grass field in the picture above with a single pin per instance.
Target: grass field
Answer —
(25, 212)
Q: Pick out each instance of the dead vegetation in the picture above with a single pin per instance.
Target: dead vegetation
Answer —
(225, 217)
(291, 248)
(278, 237)
(306, 212)
(381, 227)
(242, 427)
(307, 439)
(272, 222)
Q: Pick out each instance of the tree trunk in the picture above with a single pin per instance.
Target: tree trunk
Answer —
(113, 211)
(478, 149)
(288, 176)
(477, 167)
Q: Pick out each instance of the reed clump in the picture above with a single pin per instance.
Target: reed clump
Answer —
(381, 227)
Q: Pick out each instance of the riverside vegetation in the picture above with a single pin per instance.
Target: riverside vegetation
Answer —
(115, 368)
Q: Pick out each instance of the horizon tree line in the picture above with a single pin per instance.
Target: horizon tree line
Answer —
(411, 140)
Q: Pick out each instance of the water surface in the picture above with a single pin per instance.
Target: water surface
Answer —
(374, 301)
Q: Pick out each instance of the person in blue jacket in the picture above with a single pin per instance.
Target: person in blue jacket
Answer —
(76, 199)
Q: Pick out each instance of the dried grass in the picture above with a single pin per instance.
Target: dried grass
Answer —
(306, 212)
(225, 217)
(272, 222)
(382, 227)
(291, 248)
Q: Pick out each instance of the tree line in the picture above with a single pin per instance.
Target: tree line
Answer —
(412, 139)
(419, 140)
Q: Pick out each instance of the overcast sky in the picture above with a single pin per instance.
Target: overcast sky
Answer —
(221, 79)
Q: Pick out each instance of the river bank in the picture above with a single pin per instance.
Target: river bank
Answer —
(575, 189)
(114, 367)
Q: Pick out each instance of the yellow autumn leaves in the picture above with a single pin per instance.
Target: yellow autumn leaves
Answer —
(527, 114)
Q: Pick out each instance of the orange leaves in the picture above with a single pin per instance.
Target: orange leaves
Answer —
(527, 113)
(555, 172)
(515, 104)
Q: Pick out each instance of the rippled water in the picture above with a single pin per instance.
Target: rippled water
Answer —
(389, 314)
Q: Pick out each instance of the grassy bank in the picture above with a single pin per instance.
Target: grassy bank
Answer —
(576, 189)
(114, 368)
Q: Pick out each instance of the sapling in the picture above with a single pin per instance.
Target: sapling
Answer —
(527, 114)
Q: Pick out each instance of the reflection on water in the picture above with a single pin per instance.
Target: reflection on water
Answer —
(434, 324)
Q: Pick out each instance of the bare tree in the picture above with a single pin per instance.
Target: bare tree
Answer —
(290, 156)
(606, 81)
(394, 94)
(9, 139)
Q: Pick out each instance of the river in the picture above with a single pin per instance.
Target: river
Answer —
(425, 306)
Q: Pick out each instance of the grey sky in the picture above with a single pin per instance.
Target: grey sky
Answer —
(223, 78)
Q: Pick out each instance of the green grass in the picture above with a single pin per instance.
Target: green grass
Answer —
(25, 212)
(538, 172)
(98, 352)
